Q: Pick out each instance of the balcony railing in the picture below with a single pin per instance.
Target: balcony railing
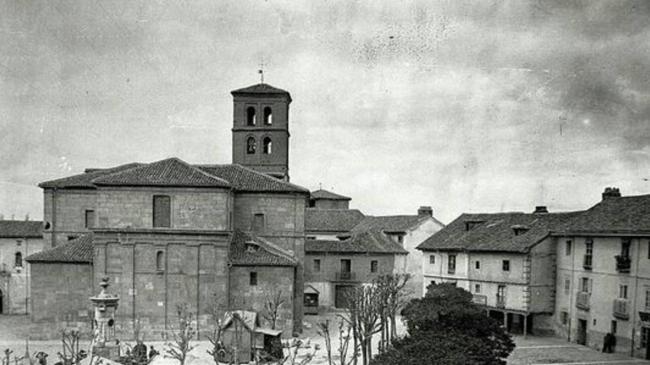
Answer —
(501, 302)
(451, 270)
(479, 299)
(623, 263)
(345, 276)
(621, 309)
(586, 262)
(582, 300)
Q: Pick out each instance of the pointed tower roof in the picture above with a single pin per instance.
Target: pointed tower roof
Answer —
(261, 89)
(169, 172)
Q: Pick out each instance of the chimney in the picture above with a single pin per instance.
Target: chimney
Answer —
(540, 209)
(611, 193)
(27, 216)
(425, 211)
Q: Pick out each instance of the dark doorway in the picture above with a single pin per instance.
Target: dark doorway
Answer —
(582, 332)
(342, 293)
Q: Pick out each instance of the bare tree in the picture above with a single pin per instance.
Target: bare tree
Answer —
(70, 344)
(272, 305)
(293, 357)
(180, 346)
(363, 314)
(392, 297)
(324, 331)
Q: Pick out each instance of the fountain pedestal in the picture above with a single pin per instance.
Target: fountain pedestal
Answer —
(105, 344)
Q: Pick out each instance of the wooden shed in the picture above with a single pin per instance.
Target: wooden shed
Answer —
(241, 329)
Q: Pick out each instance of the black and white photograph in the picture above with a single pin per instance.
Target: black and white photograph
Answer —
(327, 182)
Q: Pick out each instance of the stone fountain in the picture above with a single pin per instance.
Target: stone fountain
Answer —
(104, 341)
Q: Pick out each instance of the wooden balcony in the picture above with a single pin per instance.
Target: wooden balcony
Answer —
(621, 309)
(583, 300)
(479, 299)
(623, 263)
(345, 276)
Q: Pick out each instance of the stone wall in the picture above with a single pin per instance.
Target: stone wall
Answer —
(193, 270)
(284, 225)
(14, 280)
(65, 210)
(61, 291)
(270, 279)
(203, 209)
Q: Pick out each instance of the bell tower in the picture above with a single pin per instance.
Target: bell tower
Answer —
(260, 133)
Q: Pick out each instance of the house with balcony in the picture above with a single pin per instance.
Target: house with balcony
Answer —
(334, 267)
(603, 274)
(506, 260)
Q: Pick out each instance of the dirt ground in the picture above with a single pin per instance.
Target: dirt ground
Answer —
(529, 351)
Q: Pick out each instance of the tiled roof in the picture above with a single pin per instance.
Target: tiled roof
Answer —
(85, 179)
(324, 194)
(261, 89)
(496, 231)
(168, 172)
(247, 250)
(372, 241)
(247, 180)
(174, 172)
(21, 229)
(394, 223)
(79, 250)
(331, 220)
(626, 214)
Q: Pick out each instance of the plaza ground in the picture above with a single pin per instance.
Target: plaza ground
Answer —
(529, 351)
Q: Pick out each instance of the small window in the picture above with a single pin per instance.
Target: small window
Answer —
(258, 222)
(613, 327)
(160, 261)
(18, 259)
(567, 250)
(252, 278)
(625, 247)
(506, 265)
(400, 238)
(477, 288)
(585, 285)
(622, 291)
(567, 286)
(268, 146)
(251, 146)
(19, 243)
(268, 115)
(432, 259)
(647, 299)
(451, 264)
(250, 116)
(594, 321)
(89, 218)
(373, 265)
(565, 318)
(649, 250)
(316, 265)
(477, 265)
(161, 211)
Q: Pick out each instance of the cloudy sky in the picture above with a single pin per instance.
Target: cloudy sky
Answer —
(465, 106)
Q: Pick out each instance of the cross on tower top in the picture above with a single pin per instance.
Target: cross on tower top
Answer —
(261, 70)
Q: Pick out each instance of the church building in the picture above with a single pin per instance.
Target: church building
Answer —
(222, 237)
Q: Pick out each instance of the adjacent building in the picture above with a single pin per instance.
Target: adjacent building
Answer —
(506, 260)
(334, 267)
(18, 239)
(603, 274)
(408, 231)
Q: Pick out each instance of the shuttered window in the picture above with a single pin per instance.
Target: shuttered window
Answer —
(161, 211)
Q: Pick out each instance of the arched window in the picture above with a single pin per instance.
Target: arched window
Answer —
(160, 261)
(268, 116)
(250, 115)
(268, 146)
(251, 145)
(18, 259)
